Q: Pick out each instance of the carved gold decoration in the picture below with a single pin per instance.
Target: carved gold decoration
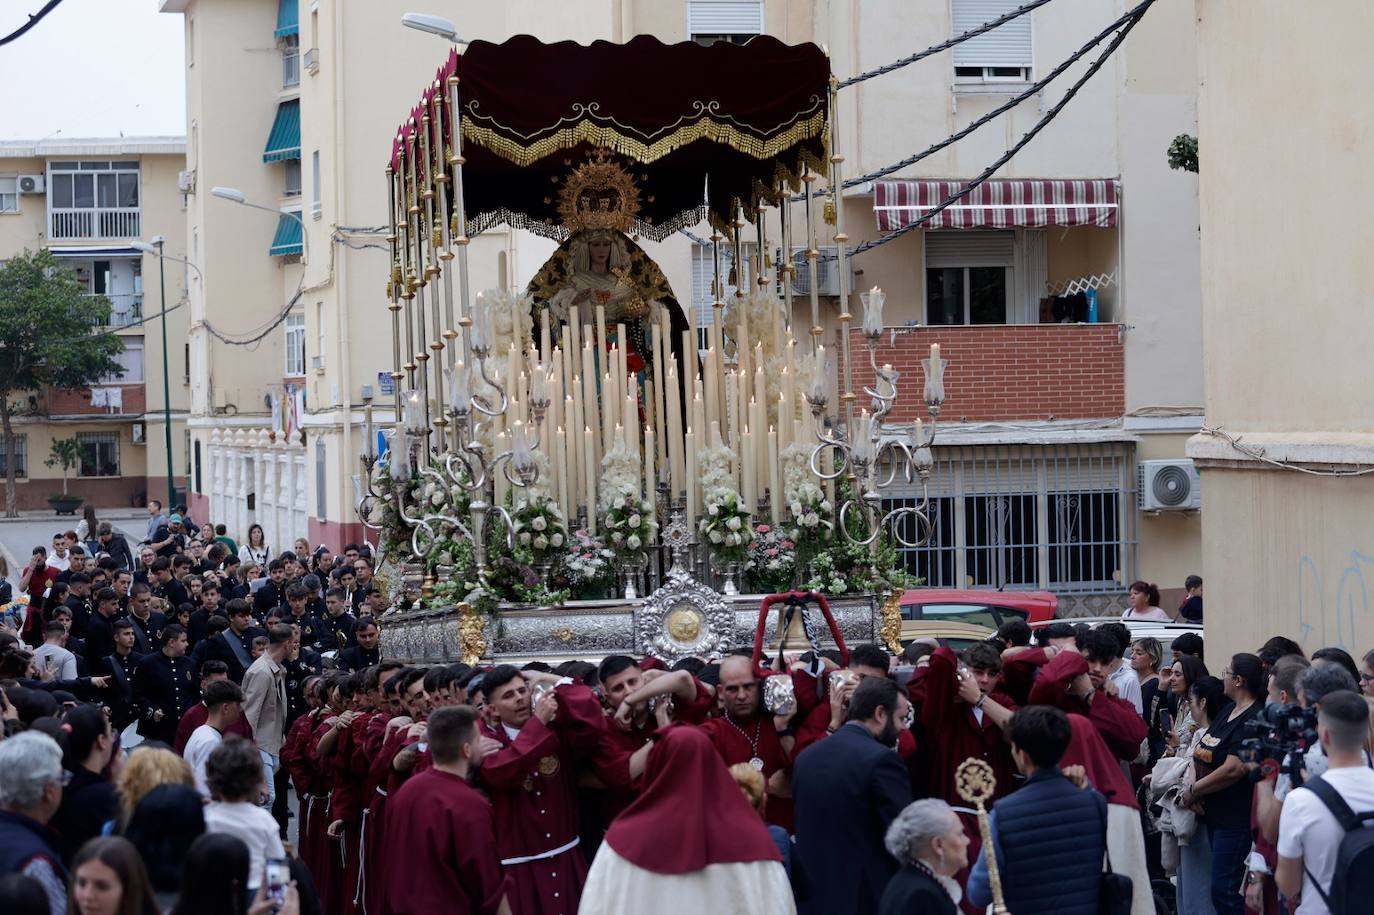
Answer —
(975, 782)
(891, 627)
(472, 640)
(563, 634)
(599, 195)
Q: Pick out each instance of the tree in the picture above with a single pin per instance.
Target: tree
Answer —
(1183, 153)
(65, 453)
(48, 336)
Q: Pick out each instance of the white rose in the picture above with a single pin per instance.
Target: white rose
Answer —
(525, 539)
(539, 523)
(796, 508)
(825, 506)
(633, 543)
(556, 540)
(635, 520)
(617, 538)
(713, 509)
(541, 542)
(733, 523)
(716, 537)
(436, 498)
(812, 519)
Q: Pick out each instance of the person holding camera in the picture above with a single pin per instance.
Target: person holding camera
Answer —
(1310, 834)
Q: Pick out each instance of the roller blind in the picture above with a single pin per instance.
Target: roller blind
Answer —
(1007, 45)
(970, 249)
(725, 17)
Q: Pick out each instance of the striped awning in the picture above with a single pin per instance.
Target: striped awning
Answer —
(284, 142)
(288, 238)
(1006, 204)
(288, 17)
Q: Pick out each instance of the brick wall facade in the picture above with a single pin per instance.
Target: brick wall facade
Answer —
(78, 403)
(1005, 372)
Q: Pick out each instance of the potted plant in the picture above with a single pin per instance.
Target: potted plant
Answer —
(65, 453)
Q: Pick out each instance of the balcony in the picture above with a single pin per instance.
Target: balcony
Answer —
(1005, 371)
(93, 223)
(125, 308)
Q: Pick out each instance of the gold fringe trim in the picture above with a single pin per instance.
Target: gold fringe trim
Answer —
(638, 150)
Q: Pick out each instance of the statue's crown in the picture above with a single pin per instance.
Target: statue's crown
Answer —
(599, 194)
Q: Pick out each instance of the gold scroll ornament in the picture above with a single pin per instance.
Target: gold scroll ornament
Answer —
(472, 643)
(975, 783)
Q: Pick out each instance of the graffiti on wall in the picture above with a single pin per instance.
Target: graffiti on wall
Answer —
(1332, 606)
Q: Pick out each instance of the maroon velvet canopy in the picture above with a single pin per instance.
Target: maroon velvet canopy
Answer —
(701, 129)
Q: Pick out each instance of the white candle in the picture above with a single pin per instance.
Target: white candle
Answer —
(574, 452)
(544, 342)
(649, 455)
(774, 490)
(818, 379)
(560, 463)
(690, 479)
(748, 488)
(589, 463)
(873, 311)
(712, 388)
(674, 422)
(367, 427)
(934, 354)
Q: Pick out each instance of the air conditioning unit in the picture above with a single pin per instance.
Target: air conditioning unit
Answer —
(1169, 486)
(317, 363)
(312, 59)
(139, 433)
(33, 184)
(186, 181)
(827, 271)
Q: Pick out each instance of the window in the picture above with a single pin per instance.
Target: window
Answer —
(319, 334)
(321, 479)
(735, 21)
(290, 61)
(703, 276)
(315, 184)
(108, 190)
(9, 193)
(99, 454)
(1026, 516)
(21, 456)
(131, 360)
(1002, 55)
(968, 276)
(295, 344)
(291, 187)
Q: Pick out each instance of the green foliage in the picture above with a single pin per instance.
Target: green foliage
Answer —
(65, 453)
(1183, 153)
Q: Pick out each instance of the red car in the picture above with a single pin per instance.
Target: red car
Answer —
(984, 608)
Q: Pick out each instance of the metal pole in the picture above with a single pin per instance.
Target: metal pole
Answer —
(166, 379)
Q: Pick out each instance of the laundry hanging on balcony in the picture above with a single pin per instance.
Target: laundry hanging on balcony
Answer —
(284, 141)
(1002, 204)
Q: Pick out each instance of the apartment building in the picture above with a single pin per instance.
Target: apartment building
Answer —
(88, 201)
(1049, 414)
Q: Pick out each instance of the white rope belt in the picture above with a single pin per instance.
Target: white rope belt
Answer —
(543, 855)
(381, 791)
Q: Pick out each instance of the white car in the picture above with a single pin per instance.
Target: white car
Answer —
(1140, 629)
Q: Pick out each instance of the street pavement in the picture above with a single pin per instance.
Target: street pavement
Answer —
(18, 536)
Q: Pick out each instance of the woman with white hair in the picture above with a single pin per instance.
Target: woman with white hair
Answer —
(30, 793)
(928, 840)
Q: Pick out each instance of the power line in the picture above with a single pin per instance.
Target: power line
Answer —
(944, 45)
(34, 19)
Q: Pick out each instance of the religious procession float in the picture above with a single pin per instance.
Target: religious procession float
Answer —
(580, 469)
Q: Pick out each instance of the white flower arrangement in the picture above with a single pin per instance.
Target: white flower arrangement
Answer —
(630, 526)
(511, 320)
(726, 529)
(539, 524)
(622, 476)
(802, 494)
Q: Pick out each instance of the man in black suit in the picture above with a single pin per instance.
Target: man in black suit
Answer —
(200, 617)
(366, 652)
(120, 666)
(164, 586)
(165, 687)
(299, 615)
(234, 646)
(79, 602)
(147, 622)
(100, 629)
(337, 626)
(846, 789)
(272, 593)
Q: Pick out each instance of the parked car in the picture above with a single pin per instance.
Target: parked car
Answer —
(984, 608)
(952, 633)
(1140, 629)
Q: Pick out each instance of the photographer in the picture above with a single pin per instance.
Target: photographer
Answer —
(1309, 834)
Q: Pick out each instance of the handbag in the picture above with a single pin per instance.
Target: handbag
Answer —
(1115, 890)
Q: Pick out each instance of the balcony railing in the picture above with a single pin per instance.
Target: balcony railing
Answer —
(125, 308)
(122, 222)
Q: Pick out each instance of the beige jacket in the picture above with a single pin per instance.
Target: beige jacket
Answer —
(264, 703)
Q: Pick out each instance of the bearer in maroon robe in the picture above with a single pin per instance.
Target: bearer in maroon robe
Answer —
(747, 733)
(443, 831)
(404, 743)
(365, 752)
(1065, 682)
(530, 774)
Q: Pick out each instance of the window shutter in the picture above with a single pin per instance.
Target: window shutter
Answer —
(725, 17)
(970, 249)
(1007, 45)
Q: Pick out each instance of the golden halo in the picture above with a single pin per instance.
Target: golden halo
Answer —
(599, 194)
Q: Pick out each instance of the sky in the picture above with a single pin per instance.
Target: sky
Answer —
(92, 68)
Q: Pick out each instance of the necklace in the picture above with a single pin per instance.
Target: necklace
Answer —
(754, 759)
(940, 880)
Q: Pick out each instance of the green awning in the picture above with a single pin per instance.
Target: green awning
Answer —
(288, 238)
(284, 142)
(288, 17)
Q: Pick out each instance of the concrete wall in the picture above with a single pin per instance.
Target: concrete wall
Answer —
(1287, 359)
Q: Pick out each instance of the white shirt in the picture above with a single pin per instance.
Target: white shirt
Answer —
(1307, 830)
(1128, 686)
(202, 743)
(62, 660)
(60, 563)
(1154, 614)
(254, 826)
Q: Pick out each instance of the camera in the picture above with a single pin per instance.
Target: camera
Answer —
(1279, 732)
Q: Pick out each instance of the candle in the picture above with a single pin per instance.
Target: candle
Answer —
(658, 340)
(758, 455)
(649, 456)
(586, 403)
(544, 343)
(589, 464)
(774, 490)
(601, 341)
(918, 435)
(560, 463)
(690, 479)
(574, 468)
(873, 311)
(748, 485)
(367, 426)
(712, 386)
(934, 355)
(674, 423)
(818, 380)
(502, 446)
(715, 440)
(760, 392)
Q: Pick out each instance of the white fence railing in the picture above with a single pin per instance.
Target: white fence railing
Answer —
(93, 223)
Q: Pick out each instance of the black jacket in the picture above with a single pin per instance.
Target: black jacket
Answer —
(910, 890)
(354, 658)
(120, 696)
(165, 684)
(81, 608)
(119, 551)
(217, 648)
(99, 639)
(337, 632)
(148, 635)
(267, 597)
(88, 803)
(846, 791)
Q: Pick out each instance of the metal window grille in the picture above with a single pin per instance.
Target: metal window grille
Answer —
(99, 454)
(1057, 517)
(21, 456)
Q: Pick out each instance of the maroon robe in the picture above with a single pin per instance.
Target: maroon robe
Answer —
(532, 785)
(383, 781)
(327, 866)
(365, 757)
(443, 831)
(735, 747)
(197, 715)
